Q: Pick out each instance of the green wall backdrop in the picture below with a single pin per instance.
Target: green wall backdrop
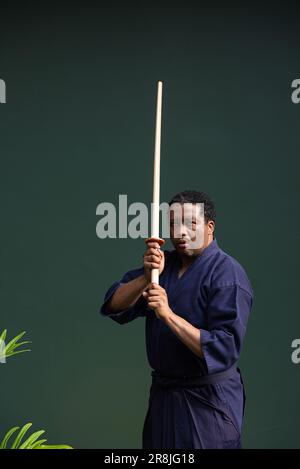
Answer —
(78, 129)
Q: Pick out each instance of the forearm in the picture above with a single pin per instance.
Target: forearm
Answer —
(128, 294)
(185, 331)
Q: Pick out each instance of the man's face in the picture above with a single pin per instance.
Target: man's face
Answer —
(188, 230)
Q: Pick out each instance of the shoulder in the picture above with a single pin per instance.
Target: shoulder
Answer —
(229, 272)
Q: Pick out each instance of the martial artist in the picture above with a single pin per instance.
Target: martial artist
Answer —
(196, 321)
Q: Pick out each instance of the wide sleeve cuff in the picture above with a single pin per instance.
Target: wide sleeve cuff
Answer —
(125, 315)
(105, 310)
(205, 339)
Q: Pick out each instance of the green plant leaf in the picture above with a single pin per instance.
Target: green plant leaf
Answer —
(11, 354)
(31, 440)
(54, 447)
(10, 349)
(22, 343)
(36, 444)
(7, 437)
(20, 435)
(12, 343)
(3, 335)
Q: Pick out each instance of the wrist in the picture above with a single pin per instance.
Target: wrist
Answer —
(144, 281)
(167, 317)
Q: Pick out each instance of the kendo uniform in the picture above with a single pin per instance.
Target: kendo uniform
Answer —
(194, 402)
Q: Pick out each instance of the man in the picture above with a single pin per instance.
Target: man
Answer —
(195, 325)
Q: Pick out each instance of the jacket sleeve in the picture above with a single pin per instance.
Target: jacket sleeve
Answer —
(129, 314)
(227, 316)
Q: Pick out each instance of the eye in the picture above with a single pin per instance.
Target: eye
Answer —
(192, 225)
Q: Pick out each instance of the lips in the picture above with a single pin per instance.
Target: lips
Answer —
(182, 244)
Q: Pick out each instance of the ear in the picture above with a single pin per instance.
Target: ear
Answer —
(210, 227)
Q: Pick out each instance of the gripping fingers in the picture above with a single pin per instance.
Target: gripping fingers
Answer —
(152, 259)
(153, 293)
(153, 245)
(151, 265)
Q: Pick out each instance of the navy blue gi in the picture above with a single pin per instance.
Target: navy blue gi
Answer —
(215, 295)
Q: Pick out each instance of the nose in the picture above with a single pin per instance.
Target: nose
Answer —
(180, 231)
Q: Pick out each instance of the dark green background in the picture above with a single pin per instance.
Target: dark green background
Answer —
(78, 129)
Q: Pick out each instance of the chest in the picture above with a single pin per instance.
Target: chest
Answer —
(188, 291)
(181, 272)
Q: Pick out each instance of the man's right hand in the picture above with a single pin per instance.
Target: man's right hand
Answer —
(154, 257)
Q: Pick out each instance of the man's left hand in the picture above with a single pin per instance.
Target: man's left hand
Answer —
(157, 299)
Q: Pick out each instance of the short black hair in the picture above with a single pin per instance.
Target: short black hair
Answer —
(195, 197)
